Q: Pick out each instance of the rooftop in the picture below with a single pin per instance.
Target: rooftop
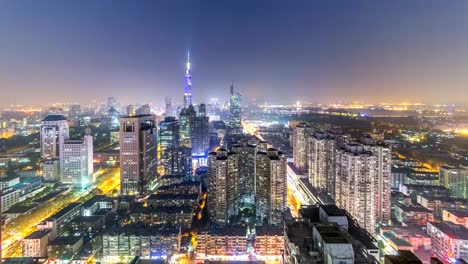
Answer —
(38, 234)
(452, 230)
(65, 240)
(456, 213)
(64, 211)
(54, 118)
(331, 234)
(269, 230)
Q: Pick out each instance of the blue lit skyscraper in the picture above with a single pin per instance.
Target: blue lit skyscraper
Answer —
(188, 84)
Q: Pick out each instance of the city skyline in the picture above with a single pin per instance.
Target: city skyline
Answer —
(321, 52)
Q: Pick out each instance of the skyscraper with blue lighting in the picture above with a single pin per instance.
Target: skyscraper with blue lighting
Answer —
(188, 84)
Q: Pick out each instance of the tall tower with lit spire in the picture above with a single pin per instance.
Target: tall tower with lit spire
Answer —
(188, 83)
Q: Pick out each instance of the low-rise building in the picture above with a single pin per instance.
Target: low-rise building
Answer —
(412, 214)
(56, 223)
(269, 240)
(457, 217)
(20, 192)
(449, 240)
(403, 257)
(222, 241)
(67, 245)
(35, 244)
(148, 242)
(333, 245)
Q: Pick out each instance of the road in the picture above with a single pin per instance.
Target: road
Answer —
(107, 181)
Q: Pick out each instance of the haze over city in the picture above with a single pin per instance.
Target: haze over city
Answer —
(317, 51)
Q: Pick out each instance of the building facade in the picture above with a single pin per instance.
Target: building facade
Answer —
(54, 131)
(223, 188)
(300, 143)
(76, 160)
(270, 186)
(138, 153)
(235, 110)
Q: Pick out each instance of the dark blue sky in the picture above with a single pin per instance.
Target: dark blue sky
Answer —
(276, 51)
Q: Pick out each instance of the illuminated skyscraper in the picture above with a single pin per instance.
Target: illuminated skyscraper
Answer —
(186, 119)
(270, 186)
(76, 162)
(223, 187)
(322, 155)
(178, 161)
(300, 143)
(169, 133)
(168, 110)
(235, 120)
(200, 133)
(188, 84)
(138, 153)
(356, 172)
(54, 131)
(247, 157)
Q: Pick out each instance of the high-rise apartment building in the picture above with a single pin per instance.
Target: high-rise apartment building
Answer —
(138, 153)
(455, 179)
(235, 110)
(356, 172)
(300, 143)
(186, 119)
(363, 183)
(54, 131)
(223, 188)
(322, 153)
(76, 162)
(270, 186)
(247, 160)
(200, 133)
(177, 161)
(321, 156)
(383, 180)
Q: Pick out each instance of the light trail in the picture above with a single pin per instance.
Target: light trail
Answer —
(24, 225)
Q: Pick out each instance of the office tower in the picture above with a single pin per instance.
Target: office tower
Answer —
(74, 111)
(200, 133)
(113, 118)
(138, 151)
(131, 110)
(76, 162)
(235, 110)
(111, 103)
(188, 84)
(322, 153)
(169, 133)
(178, 161)
(455, 179)
(144, 110)
(300, 143)
(270, 186)
(222, 180)
(382, 182)
(54, 131)
(356, 175)
(51, 170)
(168, 110)
(247, 157)
(186, 118)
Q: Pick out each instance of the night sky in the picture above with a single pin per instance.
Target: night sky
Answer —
(276, 51)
